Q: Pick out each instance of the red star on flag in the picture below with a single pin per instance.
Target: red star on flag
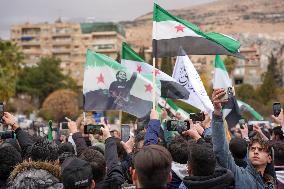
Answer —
(148, 88)
(157, 72)
(100, 79)
(179, 28)
(139, 68)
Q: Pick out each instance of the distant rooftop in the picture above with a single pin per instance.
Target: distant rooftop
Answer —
(101, 27)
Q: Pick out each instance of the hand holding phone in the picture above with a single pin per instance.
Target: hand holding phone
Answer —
(276, 109)
(178, 125)
(197, 116)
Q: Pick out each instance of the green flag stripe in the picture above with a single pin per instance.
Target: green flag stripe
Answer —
(129, 54)
(219, 63)
(230, 44)
(95, 59)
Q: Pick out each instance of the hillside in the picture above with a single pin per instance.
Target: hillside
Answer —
(225, 16)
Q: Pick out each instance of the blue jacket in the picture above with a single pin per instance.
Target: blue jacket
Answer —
(152, 132)
(247, 178)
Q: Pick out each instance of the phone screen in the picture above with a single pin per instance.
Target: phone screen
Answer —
(93, 129)
(276, 109)
(177, 125)
(125, 132)
(197, 116)
(64, 125)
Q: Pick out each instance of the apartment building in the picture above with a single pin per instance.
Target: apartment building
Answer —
(68, 42)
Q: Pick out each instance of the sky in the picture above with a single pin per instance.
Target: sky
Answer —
(35, 11)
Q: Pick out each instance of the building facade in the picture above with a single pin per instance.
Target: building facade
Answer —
(68, 42)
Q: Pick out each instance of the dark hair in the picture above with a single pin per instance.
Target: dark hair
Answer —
(264, 144)
(44, 150)
(278, 153)
(278, 132)
(98, 149)
(138, 138)
(66, 147)
(9, 158)
(202, 159)
(153, 165)
(179, 149)
(97, 161)
(238, 148)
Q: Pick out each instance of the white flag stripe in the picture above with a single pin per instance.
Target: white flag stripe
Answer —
(186, 75)
(168, 30)
(221, 79)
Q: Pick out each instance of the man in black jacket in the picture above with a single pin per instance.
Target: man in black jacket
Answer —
(114, 176)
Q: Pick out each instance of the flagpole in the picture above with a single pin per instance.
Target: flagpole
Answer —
(154, 81)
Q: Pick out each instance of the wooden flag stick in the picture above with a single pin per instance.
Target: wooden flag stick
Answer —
(154, 81)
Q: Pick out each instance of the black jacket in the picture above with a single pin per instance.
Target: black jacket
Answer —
(114, 175)
(25, 142)
(221, 179)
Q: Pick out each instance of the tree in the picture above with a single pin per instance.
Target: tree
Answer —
(141, 52)
(268, 89)
(118, 57)
(60, 104)
(45, 78)
(273, 68)
(10, 59)
(245, 92)
(230, 64)
(166, 65)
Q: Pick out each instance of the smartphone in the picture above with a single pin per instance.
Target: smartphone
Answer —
(229, 92)
(63, 125)
(6, 134)
(1, 112)
(93, 129)
(178, 125)
(250, 127)
(197, 116)
(242, 122)
(276, 108)
(125, 132)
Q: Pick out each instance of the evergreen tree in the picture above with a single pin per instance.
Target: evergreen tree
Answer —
(167, 66)
(230, 64)
(273, 68)
(268, 90)
(141, 52)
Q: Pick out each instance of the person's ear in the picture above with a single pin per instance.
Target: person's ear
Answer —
(189, 169)
(269, 159)
(170, 177)
(134, 177)
(93, 184)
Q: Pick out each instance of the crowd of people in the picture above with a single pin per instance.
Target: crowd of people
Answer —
(204, 156)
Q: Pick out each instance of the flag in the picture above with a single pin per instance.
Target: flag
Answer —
(172, 108)
(169, 87)
(49, 133)
(169, 33)
(221, 79)
(185, 73)
(244, 107)
(108, 85)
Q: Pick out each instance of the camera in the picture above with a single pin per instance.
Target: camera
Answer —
(242, 123)
(197, 116)
(230, 92)
(1, 112)
(63, 125)
(93, 129)
(178, 125)
(6, 134)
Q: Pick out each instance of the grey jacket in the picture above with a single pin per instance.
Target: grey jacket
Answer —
(35, 175)
(247, 178)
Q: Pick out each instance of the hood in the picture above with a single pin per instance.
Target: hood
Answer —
(179, 169)
(221, 178)
(30, 175)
